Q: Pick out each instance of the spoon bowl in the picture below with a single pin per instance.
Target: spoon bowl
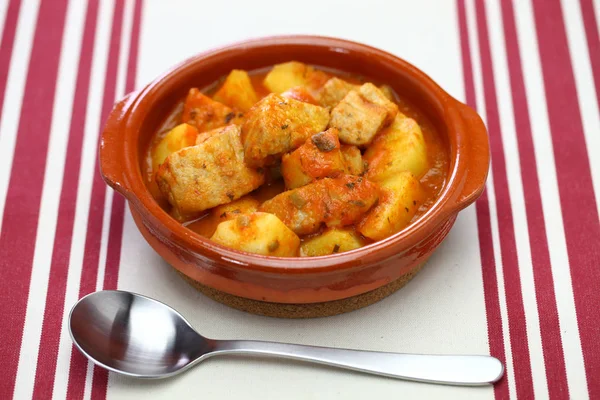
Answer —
(134, 335)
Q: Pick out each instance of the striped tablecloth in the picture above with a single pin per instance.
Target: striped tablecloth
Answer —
(518, 276)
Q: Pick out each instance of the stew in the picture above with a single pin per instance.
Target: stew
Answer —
(296, 161)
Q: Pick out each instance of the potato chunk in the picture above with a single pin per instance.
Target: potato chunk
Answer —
(209, 174)
(301, 94)
(331, 241)
(352, 159)
(276, 125)
(244, 205)
(259, 233)
(206, 114)
(401, 198)
(319, 157)
(181, 136)
(290, 74)
(335, 202)
(361, 114)
(334, 91)
(207, 225)
(237, 91)
(400, 147)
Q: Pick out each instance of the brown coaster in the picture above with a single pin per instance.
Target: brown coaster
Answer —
(310, 310)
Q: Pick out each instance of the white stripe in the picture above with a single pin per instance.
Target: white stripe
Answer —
(586, 90)
(59, 133)
(517, 199)
(3, 15)
(88, 169)
(13, 96)
(536, 99)
(89, 375)
(479, 93)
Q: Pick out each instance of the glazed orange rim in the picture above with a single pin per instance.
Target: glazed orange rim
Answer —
(452, 199)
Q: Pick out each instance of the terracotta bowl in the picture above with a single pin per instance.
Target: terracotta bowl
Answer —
(294, 287)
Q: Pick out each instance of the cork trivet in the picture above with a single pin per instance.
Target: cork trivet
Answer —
(311, 310)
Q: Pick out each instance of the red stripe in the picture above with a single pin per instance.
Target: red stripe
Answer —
(57, 283)
(554, 359)
(89, 273)
(17, 240)
(591, 32)
(132, 62)
(578, 203)
(7, 43)
(486, 246)
(113, 253)
(508, 247)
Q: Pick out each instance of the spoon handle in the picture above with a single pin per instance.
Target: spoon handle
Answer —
(468, 370)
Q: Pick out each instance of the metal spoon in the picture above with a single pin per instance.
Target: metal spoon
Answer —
(140, 337)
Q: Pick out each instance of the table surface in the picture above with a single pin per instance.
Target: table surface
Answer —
(517, 277)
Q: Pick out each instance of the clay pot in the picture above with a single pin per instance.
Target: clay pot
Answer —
(134, 120)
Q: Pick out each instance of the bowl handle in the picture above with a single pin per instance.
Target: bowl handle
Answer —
(478, 156)
(112, 160)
